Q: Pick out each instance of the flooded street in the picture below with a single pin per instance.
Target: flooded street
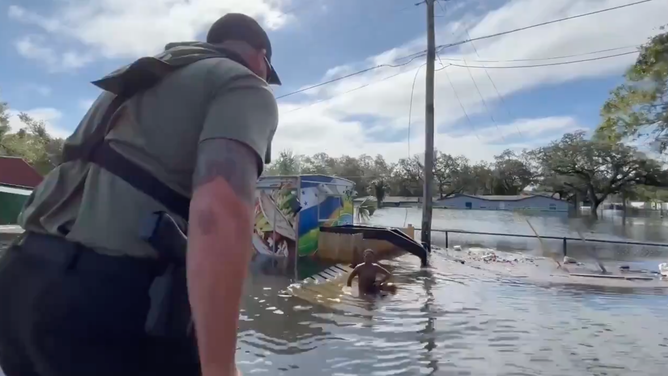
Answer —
(650, 228)
(452, 319)
(447, 320)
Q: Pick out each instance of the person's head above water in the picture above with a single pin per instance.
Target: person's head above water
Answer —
(245, 36)
(369, 255)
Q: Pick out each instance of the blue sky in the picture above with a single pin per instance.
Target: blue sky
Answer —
(52, 49)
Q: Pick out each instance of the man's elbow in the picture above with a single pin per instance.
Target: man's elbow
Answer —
(215, 210)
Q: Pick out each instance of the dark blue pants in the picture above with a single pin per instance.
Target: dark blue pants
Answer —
(68, 311)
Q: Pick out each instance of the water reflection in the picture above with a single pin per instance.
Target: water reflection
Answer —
(428, 337)
(446, 320)
(647, 229)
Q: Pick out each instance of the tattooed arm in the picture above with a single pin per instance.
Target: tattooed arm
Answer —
(219, 247)
(237, 132)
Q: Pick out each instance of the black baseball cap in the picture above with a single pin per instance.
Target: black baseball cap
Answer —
(237, 26)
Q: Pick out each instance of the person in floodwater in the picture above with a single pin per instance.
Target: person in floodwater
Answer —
(367, 273)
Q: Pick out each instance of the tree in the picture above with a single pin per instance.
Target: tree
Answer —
(349, 168)
(408, 177)
(573, 167)
(320, 164)
(651, 194)
(379, 188)
(511, 174)
(449, 174)
(639, 106)
(480, 179)
(287, 163)
(597, 169)
(32, 143)
(365, 210)
(555, 185)
(4, 123)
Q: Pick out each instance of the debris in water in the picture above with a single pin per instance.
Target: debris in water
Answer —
(489, 257)
(663, 269)
(570, 260)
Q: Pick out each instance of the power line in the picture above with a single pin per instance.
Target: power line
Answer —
(410, 109)
(484, 102)
(543, 24)
(348, 76)
(544, 65)
(498, 94)
(461, 66)
(477, 88)
(468, 118)
(424, 52)
(348, 92)
(545, 58)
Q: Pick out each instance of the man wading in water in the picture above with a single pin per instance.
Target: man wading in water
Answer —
(187, 133)
(367, 273)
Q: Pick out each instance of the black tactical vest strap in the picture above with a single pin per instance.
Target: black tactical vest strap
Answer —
(95, 149)
(103, 155)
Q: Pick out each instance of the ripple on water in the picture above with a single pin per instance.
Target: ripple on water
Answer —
(443, 321)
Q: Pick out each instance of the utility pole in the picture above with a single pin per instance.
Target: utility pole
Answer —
(429, 129)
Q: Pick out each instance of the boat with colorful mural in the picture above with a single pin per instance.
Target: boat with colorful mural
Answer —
(289, 211)
(312, 216)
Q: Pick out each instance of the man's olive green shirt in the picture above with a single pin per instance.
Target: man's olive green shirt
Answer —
(159, 130)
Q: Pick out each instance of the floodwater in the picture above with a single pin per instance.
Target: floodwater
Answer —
(451, 320)
(646, 228)
(447, 320)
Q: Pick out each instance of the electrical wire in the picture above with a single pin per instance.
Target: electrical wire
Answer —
(477, 88)
(441, 47)
(489, 77)
(454, 65)
(347, 92)
(546, 58)
(544, 65)
(410, 109)
(349, 75)
(468, 118)
(543, 24)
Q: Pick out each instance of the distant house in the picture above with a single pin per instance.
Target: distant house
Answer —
(17, 181)
(521, 202)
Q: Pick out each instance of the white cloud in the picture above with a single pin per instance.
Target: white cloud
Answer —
(311, 131)
(34, 48)
(525, 129)
(346, 119)
(350, 118)
(43, 90)
(129, 28)
(50, 117)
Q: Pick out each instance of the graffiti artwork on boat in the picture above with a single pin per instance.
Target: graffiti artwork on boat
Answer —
(289, 211)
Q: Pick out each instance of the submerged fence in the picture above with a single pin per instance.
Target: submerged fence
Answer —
(571, 246)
